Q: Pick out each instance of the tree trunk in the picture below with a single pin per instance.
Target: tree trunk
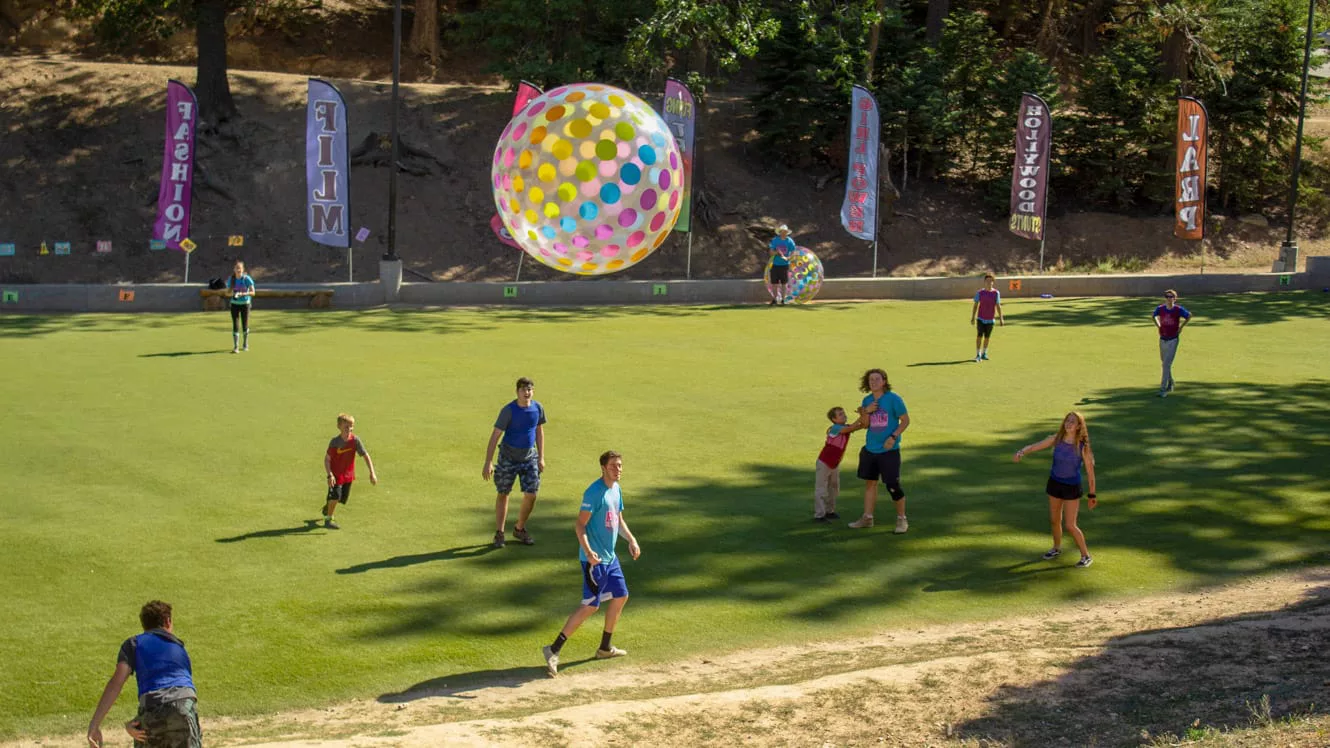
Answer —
(211, 87)
(873, 38)
(1177, 49)
(425, 30)
(937, 13)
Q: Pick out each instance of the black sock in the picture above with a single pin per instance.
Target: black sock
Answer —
(605, 640)
(558, 643)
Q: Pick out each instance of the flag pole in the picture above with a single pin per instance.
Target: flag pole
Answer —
(874, 258)
(350, 262)
(1041, 255)
(520, 257)
(187, 254)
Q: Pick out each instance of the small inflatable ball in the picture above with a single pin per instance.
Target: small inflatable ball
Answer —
(805, 277)
(588, 179)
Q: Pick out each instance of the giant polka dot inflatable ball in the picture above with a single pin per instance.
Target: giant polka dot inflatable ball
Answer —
(805, 277)
(588, 179)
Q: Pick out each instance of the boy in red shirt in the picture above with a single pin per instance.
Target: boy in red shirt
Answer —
(827, 486)
(340, 464)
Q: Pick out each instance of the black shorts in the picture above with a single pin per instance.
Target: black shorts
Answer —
(340, 492)
(779, 275)
(985, 328)
(1065, 491)
(883, 466)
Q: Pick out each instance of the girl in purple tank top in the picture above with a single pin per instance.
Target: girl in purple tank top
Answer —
(1071, 452)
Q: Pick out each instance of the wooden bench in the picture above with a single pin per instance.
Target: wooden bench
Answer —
(218, 299)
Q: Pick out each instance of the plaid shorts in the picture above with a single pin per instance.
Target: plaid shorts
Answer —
(174, 724)
(506, 472)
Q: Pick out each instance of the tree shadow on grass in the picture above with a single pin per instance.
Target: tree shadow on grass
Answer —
(280, 532)
(1170, 681)
(1244, 309)
(1229, 481)
(460, 685)
(398, 562)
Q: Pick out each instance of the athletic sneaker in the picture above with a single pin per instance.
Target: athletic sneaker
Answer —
(235, 350)
(611, 653)
(328, 523)
(862, 522)
(246, 348)
(832, 515)
(1052, 554)
(1170, 385)
(524, 536)
(1163, 393)
(551, 661)
(498, 539)
(1084, 562)
(977, 358)
(984, 355)
(902, 524)
(822, 519)
(773, 302)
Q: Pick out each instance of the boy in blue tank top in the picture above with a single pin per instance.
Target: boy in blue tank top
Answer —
(168, 705)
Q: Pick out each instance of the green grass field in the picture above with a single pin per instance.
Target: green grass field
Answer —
(145, 462)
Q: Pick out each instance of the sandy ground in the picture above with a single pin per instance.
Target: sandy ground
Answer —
(1148, 671)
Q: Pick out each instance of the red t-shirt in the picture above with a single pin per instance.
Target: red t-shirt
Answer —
(342, 458)
(834, 450)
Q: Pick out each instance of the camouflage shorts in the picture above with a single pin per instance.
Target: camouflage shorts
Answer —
(174, 724)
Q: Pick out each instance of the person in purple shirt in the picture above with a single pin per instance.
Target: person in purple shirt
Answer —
(987, 307)
(1071, 453)
(1170, 317)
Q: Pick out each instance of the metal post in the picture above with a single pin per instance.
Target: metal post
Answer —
(1041, 255)
(350, 264)
(875, 258)
(392, 166)
(688, 271)
(1289, 243)
(187, 254)
(521, 256)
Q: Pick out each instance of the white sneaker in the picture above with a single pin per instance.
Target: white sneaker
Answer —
(551, 661)
(611, 653)
(862, 522)
(902, 524)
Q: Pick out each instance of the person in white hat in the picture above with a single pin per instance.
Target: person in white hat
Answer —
(782, 246)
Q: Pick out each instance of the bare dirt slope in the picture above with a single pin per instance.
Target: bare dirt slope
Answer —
(81, 145)
(1240, 665)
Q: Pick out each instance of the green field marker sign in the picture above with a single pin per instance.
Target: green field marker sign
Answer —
(510, 292)
(660, 289)
(1285, 280)
(11, 297)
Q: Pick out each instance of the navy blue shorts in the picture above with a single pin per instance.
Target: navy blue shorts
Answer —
(602, 582)
(506, 472)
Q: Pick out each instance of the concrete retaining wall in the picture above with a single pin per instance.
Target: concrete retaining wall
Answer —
(181, 298)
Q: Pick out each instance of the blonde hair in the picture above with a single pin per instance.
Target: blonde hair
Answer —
(345, 418)
(1082, 427)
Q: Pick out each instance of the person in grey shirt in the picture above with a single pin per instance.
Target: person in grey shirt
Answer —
(519, 435)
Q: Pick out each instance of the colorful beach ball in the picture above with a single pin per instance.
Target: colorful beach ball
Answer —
(805, 277)
(588, 179)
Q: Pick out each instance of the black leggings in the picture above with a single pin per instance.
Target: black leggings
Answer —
(239, 313)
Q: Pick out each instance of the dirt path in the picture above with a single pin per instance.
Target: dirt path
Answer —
(1118, 673)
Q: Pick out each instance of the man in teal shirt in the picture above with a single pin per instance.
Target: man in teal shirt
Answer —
(599, 525)
(782, 246)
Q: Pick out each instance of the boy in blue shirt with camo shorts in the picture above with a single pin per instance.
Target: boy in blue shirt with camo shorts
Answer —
(521, 427)
(599, 525)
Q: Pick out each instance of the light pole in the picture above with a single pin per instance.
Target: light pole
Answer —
(1288, 252)
(392, 134)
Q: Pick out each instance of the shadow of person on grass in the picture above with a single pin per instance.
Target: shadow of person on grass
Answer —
(943, 363)
(310, 524)
(397, 562)
(1174, 683)
(458, 686)
(178, 354)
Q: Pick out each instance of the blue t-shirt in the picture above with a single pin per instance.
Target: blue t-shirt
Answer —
(782, 243)
(519, 430)
(602, 531)
(243, 284)
(882, 422)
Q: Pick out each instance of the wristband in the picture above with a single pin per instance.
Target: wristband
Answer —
(1090, 495)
